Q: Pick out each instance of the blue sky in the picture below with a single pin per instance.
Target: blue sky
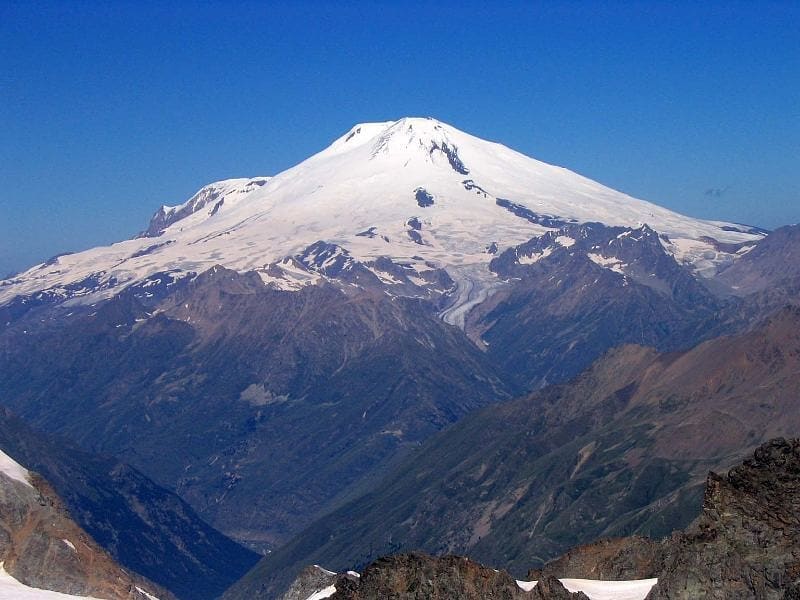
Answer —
(108, 110)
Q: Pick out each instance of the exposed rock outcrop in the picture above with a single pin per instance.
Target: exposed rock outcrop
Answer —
(413, 576)
(634, 557)
(746, 543)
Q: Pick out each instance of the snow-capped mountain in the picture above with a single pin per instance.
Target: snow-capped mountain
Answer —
(416, 191)
(273, 332)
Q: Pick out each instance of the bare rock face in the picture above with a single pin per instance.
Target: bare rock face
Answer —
(746, 543)
(614, 559)
(792, 593)
(417, 576)
(43, 548)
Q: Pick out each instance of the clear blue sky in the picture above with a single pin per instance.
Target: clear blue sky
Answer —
(110, 109)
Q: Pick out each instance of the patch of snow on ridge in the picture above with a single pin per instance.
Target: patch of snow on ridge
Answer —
(150, 596)
(634, 589)
(565, 241)
(535, 257)
(324, 570)
(13, 469)
(526, 586)
(607, 262)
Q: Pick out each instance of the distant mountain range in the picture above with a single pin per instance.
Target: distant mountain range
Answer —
(416, 191)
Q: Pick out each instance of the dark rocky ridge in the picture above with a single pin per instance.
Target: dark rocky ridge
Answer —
(418, 576)
(744, 545)
(562, 312)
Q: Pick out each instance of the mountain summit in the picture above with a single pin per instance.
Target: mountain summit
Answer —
(417, 191)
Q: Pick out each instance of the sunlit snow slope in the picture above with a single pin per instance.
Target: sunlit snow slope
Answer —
(416, 190)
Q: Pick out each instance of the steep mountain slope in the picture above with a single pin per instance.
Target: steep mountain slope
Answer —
(260, 407)
(144, 527)
(41, 547)
(622, 449)
(416, 190)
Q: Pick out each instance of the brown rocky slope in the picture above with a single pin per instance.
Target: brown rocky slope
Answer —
(42, 547)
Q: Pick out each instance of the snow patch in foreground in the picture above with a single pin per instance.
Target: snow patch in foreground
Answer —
(13, 469)
(635, 589)
(11, 589)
